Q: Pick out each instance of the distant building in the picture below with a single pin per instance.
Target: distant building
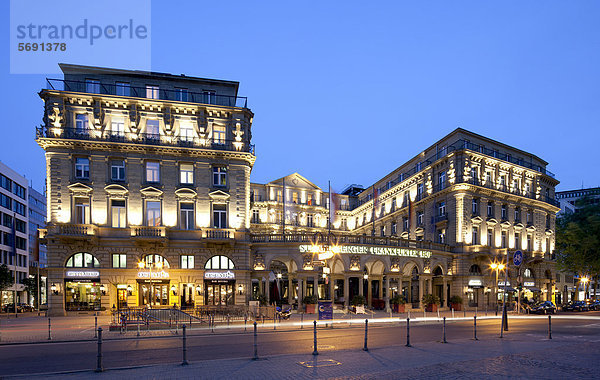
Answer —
(37, 252)
(568, 199)
(13, 204)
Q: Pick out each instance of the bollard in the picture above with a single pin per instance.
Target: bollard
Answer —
(438, 311)
(49, 336)
(444, 331)
(302, 320)
(228, 321)
(99, 363)
(184, 362)
(95, 326)
(212, 323)
(452, 313)
(315, 352)
(255, 344)
(475, 328)
(177, 328)
(549, 327)
(408, 332)
(465, 313)
(424, 313)
(275, 322)
(475, 310)
(408, 315)
(365, 348)
(245, 321)
(138, 328)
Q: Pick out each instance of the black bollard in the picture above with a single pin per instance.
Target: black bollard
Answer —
(184, 362)
(549, 327)
(475, 328)
(49, 336)
(95, 326)
(245, 321)
(315, 352)
(255, 344)
(408, 332)
(99, 362)
(365, 348)
(302, 320)
(444, 331)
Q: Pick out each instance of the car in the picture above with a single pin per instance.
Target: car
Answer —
(593, 304)
(576, 306)
(544, 307)
(21, 308)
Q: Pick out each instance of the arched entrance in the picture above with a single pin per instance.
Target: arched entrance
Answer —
(278, 283)
(438, 285)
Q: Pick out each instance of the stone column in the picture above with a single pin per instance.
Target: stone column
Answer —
(346, 291)
(387, 294)
(430, 285)
(369, 293)
(445, 293)
(301, 291)
(290, 290)
(316, 286)
(361, 286)
(380, 296)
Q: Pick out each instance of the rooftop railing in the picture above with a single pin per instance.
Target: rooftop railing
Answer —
(143, 138)
(178, 95)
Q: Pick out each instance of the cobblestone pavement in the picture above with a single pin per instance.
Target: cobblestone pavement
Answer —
(522, 357)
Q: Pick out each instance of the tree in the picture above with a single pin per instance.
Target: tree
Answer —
(30, 284)
(578, 240)
(6, 279)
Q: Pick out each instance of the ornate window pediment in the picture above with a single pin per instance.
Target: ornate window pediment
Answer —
(151, 193)
(218, 195)
(185, 193)
(79, 189)
(476, 219)
(505, 224)
(531, 228)
(116, 191)
(491, 221)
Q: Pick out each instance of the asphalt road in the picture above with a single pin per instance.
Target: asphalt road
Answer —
(67, 356)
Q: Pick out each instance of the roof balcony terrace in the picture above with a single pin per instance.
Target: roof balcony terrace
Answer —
(152, 93)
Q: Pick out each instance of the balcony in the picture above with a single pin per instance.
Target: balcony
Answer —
(149, 234)
(441, 218)
(218, 234)
(103, 88)
(142, 138)
(77, 230)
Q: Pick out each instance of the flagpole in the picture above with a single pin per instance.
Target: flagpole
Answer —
(330, 204)
(373, 215)
(283, 218)
(14, 252)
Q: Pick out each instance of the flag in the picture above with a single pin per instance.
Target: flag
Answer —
(284, 205)
(409, 213)
(332, 206)
(375, 196)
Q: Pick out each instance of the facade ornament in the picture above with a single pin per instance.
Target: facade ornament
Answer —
(355, 262)
(238, 133)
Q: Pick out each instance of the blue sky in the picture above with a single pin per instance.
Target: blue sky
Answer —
(348, 91)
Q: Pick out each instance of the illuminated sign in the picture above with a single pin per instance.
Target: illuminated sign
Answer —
(529, 283)
(219, 275)
(475, 282)
(364, 250)
(501, 283)
(82, 274)
(153, 275)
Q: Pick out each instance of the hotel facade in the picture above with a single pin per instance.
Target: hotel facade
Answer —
(149, 202)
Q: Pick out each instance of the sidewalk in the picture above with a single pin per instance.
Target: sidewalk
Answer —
(514, 357)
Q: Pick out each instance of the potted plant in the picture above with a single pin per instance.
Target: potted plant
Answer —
(398, 303)
(261, 298)
(310, 303)
(431, 302)
(456, 303)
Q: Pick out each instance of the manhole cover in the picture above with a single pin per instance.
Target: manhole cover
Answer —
(319, 363)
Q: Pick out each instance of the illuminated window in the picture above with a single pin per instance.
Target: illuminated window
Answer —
(255, 216)
(186, 174)
(82, 168)
(82, 210)
(152, 260)
(279, 196)
(219, 136)
(117, 127)
(490, 237)
(118, 213)
(81, 123)
(152, 129)
(152, 91)
(219, 262)
(82, 260)
(186, 131)
(153, 213)
(152, 171)
(119, 260)
(220, 176)
(186, 261)
(310, 199)
(442, 180)
(219, 216)
(295, 197)
(187, 215)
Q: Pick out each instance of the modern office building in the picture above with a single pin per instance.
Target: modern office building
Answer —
(37, 251)
(570, 200)
(150, 203)
(14, 232)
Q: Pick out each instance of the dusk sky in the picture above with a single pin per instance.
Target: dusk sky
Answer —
(348, 91)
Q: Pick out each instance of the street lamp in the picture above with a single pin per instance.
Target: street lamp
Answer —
(585, 281)
(497, 267)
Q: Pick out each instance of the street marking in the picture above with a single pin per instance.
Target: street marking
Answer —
(325, 347)
(320, 363)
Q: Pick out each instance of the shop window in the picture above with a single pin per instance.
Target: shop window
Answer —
(82, 260)
(151, 261)
(219, 262)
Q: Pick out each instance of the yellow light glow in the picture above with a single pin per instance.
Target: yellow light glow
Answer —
(99, 216)
(135, 217)
(141, 265)
(585, 280)
(170, 219)
(202, 219)
(64, 216)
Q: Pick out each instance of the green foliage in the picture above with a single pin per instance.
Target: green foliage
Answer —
(6, 279)
(398, 300)
(430, 299)
(310, 299)
(260, 298)
(456, 299)
(578, 240)
(30, 284)
(359, 300)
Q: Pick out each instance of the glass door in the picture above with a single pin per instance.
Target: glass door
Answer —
(219, 294)
(121, 298)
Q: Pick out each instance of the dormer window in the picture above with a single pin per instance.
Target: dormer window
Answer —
(92, 86)
(152, 91)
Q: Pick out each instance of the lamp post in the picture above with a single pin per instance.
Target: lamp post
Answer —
(496, 267)
(585, 281)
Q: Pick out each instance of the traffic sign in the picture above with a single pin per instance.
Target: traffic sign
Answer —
(518, 258)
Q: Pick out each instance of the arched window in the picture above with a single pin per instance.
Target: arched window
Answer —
(152, 260)
(475, 270)
(438, 271)
(83, 260)
(219, 262)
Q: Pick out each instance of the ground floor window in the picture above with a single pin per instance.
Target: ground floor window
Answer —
(155, 293)
(82, 296)
(219, 293)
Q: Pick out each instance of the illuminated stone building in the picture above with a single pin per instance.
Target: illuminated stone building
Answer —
(150, 201)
